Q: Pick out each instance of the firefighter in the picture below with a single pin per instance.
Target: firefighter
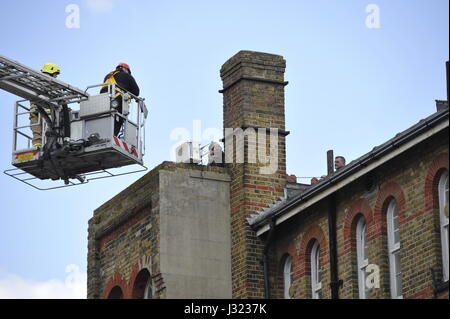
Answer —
(121, 77)
(35, 120)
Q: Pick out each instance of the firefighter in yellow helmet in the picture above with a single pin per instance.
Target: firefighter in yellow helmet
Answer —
(52, 70)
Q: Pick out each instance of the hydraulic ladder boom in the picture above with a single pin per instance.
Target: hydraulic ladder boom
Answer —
(35, 86)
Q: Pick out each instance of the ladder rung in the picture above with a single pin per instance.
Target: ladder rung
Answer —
(20, 80)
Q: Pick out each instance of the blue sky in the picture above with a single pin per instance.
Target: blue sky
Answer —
(350, 88)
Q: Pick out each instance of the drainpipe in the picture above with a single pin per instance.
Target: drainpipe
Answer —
(265, 261)
(335, 282)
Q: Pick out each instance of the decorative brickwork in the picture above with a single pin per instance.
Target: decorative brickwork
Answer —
(435, 170)
(314, 233)
(439, 164)
(116, 280)
(360, 207)
(311, 235)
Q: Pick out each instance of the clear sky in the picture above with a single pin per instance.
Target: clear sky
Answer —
(351, 88)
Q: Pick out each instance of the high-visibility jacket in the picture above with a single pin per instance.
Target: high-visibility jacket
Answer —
(124, 80)
(34, 110)
(111, 80)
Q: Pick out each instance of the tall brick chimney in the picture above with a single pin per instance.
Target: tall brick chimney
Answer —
(253, 95)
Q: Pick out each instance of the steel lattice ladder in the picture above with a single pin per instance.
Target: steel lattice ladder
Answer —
(31, 85)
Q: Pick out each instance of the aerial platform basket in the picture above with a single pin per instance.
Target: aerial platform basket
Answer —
(79, 142)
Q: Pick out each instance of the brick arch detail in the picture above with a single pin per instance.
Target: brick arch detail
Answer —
(359, 207)
(292, 251)
(116, 280)
(127, 287)
(145, 263)
(439, 164)
(389, 190)
(314, 232)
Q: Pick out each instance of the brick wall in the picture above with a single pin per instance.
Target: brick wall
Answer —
(122, 231)
(409, 178)
(125, 235)
(253, 97)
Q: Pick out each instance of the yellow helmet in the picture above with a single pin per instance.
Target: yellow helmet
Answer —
(50, 68)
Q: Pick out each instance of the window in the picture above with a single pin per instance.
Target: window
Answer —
(287, 276)
(115, 293)
(394, 250)
(142, 288)
(148, 292)
(443, 213)
(316, 280)
(362, 257)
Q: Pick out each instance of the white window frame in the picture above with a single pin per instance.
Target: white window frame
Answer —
(316, 284)
(287, 276)
(148, 289)
(394, 249)
(362, 258)
(443, 203)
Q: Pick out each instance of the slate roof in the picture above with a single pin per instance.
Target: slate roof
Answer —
(283, 204)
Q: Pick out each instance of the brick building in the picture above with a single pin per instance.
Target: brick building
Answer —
(165, 236)
(376, 228)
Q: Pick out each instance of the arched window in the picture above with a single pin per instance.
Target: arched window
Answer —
(115, 293)
(142, 288)
(287, 276)
(443, 213)
(362, 257)
(394, 249)
(316, 280)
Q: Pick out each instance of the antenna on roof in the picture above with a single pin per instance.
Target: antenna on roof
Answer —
(330, 162)
(448, 87)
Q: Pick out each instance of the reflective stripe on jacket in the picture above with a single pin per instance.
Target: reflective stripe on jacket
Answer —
(34, 110)
(111, 80)
(124, 80)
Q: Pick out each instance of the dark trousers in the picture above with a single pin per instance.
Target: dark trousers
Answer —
(118, 121)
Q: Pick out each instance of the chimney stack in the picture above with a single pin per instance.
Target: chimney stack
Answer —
(253, 103)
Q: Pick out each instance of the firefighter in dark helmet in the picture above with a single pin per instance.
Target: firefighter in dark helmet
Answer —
(125, 81)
